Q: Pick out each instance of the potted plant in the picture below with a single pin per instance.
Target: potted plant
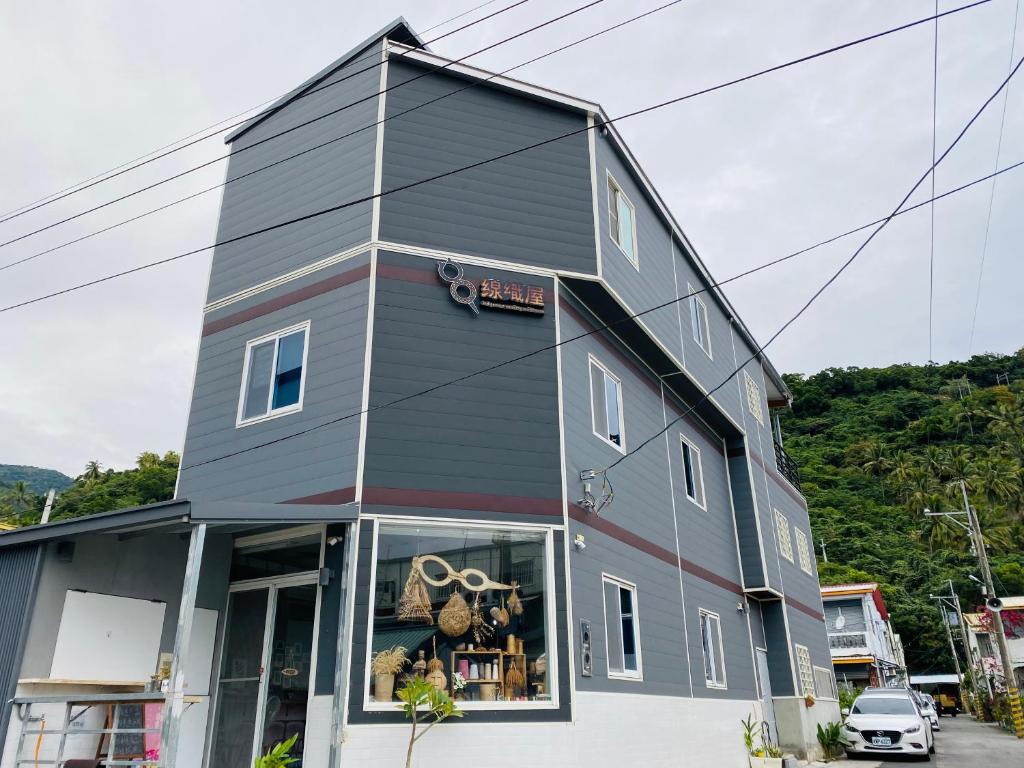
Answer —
(278, 756)
(384, 666)
(809, 701)
(767, 755)
(832, 740)
(458, 686)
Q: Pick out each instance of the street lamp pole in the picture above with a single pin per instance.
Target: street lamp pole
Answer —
(997, 621)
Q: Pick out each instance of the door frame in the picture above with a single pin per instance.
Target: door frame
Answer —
(272, 584)
(765, 686)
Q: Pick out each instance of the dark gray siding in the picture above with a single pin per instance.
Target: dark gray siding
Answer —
(746, 516)
(335, 174)
(493, 434)
(779, 662)
(533, 208)
(318, 462)
(809, 631)
(635, 538)
(557, 644)
(19, 567)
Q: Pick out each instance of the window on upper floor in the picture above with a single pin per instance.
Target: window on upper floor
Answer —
(606, 405)
(753, 398)
(622, 628)
(782, 533)
(622, 221)
(273, 375)
(803, 551)
(803, 665)
(699, 321)
(711, 643)
(693, 472)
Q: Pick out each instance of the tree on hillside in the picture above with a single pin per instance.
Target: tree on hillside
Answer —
(93, 472)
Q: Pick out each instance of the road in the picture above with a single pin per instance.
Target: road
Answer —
(964, 743)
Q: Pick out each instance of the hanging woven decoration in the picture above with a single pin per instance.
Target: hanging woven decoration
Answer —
(514, 677)
(500, 615)
(435, 670)
(455, 617)
(515, 605)
(481, 629)
(414, 604)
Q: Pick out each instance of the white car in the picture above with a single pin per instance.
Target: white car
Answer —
(927, 706)
(888, 723)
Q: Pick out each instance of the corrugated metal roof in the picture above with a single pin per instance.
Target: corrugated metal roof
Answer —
(928, 679)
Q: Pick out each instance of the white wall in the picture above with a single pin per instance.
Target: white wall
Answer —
(610, 729)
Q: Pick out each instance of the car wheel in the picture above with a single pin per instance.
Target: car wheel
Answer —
(954, 713)
(931, 749)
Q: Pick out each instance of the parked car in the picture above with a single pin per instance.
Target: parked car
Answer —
(929, 710)
(923, 701)
(881, 722)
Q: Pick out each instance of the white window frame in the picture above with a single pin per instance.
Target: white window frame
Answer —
(783, 535)
(805, 670)
(626, 674)
(273, 413)
(613, 231)
(833, 688)
(698, 471)
(803, 551)
(591, 363)
(753, 398)
(550, 617)
(703, 340)
(709, 682)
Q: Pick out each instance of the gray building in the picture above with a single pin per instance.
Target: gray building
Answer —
(424, 418)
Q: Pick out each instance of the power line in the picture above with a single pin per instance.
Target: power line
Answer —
(331, 113)
(473, 84)
(832, 279)
(45, 198)
(607, 326)
(486, 161)
(931, 246)
(219, 131)
(992, 191)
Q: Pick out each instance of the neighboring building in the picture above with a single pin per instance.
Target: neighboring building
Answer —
(651, 620)
(985, 649)
(865, 650)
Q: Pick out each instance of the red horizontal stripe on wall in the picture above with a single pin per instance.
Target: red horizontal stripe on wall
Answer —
(805, 609)
(430, 276)
(482, 502)
(619, 533)
(339, 496)
(287, 299)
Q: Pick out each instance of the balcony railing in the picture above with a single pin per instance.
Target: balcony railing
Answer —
(848, 640)
(787, 467)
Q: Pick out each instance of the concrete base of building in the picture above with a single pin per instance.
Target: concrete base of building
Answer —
(798, 724)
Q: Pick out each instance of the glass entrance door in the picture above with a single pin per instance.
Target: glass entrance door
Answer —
(265, 671)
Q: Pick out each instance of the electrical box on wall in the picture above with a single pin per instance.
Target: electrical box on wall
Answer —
(586, 654)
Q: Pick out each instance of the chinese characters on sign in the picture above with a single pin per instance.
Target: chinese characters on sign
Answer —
(497, 294)
(493, 293)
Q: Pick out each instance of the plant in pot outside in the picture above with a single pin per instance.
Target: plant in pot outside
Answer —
(767, 755)
(384, 665)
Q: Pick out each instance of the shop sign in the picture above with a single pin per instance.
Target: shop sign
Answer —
(491, 293)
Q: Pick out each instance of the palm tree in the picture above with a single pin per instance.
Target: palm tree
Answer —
(939, 532)
(998, 480)
(901, 471)
(876, 462)
(935, 461)
(20, 500)
(93, 472)
(959, 463)
(921, 490)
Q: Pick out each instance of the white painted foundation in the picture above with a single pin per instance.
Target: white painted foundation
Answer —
(610, 729)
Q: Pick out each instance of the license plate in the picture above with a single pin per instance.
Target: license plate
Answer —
(881, 741)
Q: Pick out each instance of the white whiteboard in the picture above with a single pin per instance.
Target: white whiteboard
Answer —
(105, 637)
(199, 661)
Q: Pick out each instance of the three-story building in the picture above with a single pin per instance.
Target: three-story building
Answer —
(481, 401)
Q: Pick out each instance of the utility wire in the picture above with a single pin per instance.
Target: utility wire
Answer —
(261, 105)
(992, 191)
(331, 113)
(486, 161)
(609, 326)
(472, 84)
(931, 247)
(833, 278)
(219, 131)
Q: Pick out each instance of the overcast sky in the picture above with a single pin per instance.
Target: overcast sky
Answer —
(751, 172)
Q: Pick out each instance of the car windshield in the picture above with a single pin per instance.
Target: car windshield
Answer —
(883, 705)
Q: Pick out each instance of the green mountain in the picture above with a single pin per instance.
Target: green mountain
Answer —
(37, 479)
(876, 446)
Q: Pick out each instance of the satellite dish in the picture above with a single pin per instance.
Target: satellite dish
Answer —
(840, 620)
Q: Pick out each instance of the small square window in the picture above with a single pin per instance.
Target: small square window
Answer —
(754, 398)
(782, 530)
(803, 663)
(699, 321)
(622, 221)
(693, 472)
(606, 405)
(711, 642)
(621, 628)
(825, 683)
(273, 375)
(803, 551)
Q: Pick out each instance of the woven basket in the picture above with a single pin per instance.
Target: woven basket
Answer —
(414, 604)
(455, 617)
